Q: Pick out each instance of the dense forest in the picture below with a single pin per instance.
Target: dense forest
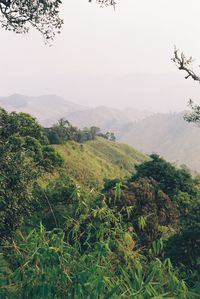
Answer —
(135, 236)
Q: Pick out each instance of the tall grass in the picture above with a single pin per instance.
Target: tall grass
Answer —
(95, 256)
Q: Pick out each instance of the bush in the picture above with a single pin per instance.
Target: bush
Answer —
(46, 266)
(184, 251)
(147, 207)
(25, 156)
(171, 180)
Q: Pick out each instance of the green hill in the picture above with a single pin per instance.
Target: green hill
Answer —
(90, 163)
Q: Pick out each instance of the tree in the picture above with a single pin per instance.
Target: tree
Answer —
(43, 15)
(112, 137)
(19, 16)
(170, 179)
(185, 64)
(183, 250)
(25, 155)
(94, 131)
(146, 207)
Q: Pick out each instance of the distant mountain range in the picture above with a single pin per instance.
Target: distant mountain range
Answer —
(49, 108)
(108, 119)
(166, 134)
(45, 108)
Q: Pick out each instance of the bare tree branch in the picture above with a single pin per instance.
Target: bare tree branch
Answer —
(184, 64)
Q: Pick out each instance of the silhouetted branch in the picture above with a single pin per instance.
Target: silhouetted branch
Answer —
(43, 15)
(184, 64)
(105, 2)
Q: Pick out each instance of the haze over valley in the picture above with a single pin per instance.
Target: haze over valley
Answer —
(167, 134)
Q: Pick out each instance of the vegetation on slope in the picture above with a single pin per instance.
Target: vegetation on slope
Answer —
(89, 164)
(114, 243)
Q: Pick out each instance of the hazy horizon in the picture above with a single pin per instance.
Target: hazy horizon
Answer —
(116, 58)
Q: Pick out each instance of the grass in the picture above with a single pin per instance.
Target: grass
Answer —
(90, 163)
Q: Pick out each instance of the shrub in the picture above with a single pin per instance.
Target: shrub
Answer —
(184, 251)
(170, 179)
(143, 201)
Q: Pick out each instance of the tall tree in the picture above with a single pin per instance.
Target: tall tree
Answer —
(25, 155)
(185, 64)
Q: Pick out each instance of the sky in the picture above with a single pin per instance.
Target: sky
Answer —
(118, 58)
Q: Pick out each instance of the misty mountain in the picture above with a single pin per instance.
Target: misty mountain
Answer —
(159, 92)
(106, 118)
(44, 107)
(168, 135)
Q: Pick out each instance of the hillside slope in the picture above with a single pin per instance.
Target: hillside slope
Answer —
(166, 134)
(89, 164)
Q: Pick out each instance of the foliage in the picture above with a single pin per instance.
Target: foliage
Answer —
(46, 265)
(43, 15)
(21, 132)
(194, 115)
(147, 208)
(53, 202)
(189, 209)
(110, 184)
(108, 136)
(63, 131)
(171, 179)
(25, 155)
(17, 176)
(183, 250)
(93, 245)
(20, 124)
(19, 16)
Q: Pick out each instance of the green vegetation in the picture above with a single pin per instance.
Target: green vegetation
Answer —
(25, 156)
(66, 235)
(63, 131)
(89, 164)
(171, 179)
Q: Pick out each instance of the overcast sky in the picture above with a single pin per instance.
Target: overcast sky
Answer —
(104, 56)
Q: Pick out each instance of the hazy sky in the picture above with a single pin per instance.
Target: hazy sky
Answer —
(102, 49)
